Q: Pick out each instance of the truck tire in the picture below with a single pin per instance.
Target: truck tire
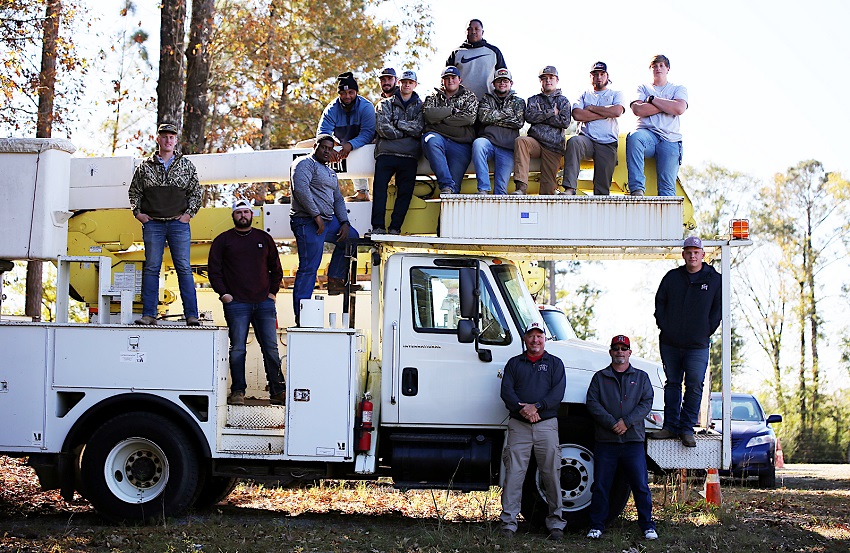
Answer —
(140, 467)
(577, 442)
(214, 490)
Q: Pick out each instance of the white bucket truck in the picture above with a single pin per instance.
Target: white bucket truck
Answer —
(135, 419)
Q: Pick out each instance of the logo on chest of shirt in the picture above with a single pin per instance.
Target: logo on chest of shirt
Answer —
(464, 59)
(704, 287)
(543, 367)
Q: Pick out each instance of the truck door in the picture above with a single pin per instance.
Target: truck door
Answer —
(441, 381)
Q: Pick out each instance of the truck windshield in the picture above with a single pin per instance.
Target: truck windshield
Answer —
(522, 307)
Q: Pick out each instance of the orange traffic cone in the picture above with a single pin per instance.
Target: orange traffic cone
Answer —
(780, 457)
(712, 488)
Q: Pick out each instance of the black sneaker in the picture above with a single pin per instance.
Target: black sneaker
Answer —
(688, 440)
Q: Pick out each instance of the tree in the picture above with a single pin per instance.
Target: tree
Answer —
(197, 76)
(803, 213)
(580, 310)
(169, 89)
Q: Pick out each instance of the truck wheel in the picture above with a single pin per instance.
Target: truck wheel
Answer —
(576, 479)
(139, 467)
(215, 489)
(768, 479)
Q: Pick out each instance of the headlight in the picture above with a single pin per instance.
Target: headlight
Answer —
(760, 440)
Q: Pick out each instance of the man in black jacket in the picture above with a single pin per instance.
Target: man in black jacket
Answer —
(618, 399)
(687, 311)
(532, 388)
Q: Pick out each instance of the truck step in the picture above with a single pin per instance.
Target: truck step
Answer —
(670, 454)
(256, 416)
(261, 442)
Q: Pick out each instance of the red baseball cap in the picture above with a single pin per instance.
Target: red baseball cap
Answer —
(621, 339)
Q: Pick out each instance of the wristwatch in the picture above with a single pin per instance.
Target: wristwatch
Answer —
(650, 99)
(538, 405)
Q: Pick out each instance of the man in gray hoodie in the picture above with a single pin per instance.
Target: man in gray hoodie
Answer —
(618, 399)
(549, 115)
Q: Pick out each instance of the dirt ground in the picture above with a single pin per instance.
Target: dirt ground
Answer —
(808, 512)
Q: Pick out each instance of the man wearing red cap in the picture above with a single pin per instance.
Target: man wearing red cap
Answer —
(618, 399)
(532, 388)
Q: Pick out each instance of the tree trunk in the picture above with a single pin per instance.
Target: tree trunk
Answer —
(44, 128)
(802, 392)
(197, 76)
(169, 89)
(813, 321)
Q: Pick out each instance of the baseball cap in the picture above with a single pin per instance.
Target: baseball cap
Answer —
(450, 70)
(548, 70)
(387, 72)
(692, 242)
(534, 326)
(167, 127)
(502, 74)
(621, 339)
(599, 66)
(409, 76)
(242, 204)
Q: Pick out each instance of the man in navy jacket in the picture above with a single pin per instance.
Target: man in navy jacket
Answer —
(687, 311)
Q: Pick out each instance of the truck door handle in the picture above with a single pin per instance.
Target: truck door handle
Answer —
(409, 381)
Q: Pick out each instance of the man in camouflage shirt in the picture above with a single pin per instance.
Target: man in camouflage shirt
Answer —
(549, 115)
(450, 113)
(164, 195)
(500, 116)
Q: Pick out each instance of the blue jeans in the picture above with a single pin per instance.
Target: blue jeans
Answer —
(404, 169)
(448, 159)
(688, 365)
(310, 245)
(263, 317)
(482, 152)
(643, 143)
(178, 236)
(631, 458)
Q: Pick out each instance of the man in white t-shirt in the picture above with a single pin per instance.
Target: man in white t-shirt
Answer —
(596, 111)
(658, 108)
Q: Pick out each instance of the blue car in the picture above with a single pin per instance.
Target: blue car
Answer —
(753, 440)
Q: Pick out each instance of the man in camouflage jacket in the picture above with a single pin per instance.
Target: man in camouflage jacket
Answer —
(164, 195)
(500, 116)
(549, 115)
(399, 125)
(450, 113)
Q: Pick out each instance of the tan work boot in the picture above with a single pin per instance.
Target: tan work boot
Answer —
(360, 196)
(236, 398)
(147, 320)
(336, 286)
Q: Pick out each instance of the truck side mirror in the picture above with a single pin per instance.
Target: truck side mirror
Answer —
(467, 331)
(774, 418)
(468, 292)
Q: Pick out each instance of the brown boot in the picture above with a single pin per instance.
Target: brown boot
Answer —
(521, 189)
(360, 196)
(336, 286)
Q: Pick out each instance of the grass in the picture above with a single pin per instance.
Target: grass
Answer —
(372, 517)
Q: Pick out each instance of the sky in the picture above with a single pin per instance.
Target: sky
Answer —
(766, 83)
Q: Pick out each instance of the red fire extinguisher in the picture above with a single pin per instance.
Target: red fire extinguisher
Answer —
(366, 407)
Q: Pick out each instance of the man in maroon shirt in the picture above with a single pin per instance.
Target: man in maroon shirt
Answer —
(244, 268)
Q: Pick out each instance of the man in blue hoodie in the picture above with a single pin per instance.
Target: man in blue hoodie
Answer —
(533, 387)
(688, 310)
(351, 120)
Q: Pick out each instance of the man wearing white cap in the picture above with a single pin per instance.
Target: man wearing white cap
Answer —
(501, 114)
(397, 151)
(688, 310)
(245, 271)
(533, 387)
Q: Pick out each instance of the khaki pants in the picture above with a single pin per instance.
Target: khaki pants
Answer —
(604, 158)
(542, 439)
(525, 148)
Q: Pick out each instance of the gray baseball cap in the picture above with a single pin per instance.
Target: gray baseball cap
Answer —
(409, 76)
